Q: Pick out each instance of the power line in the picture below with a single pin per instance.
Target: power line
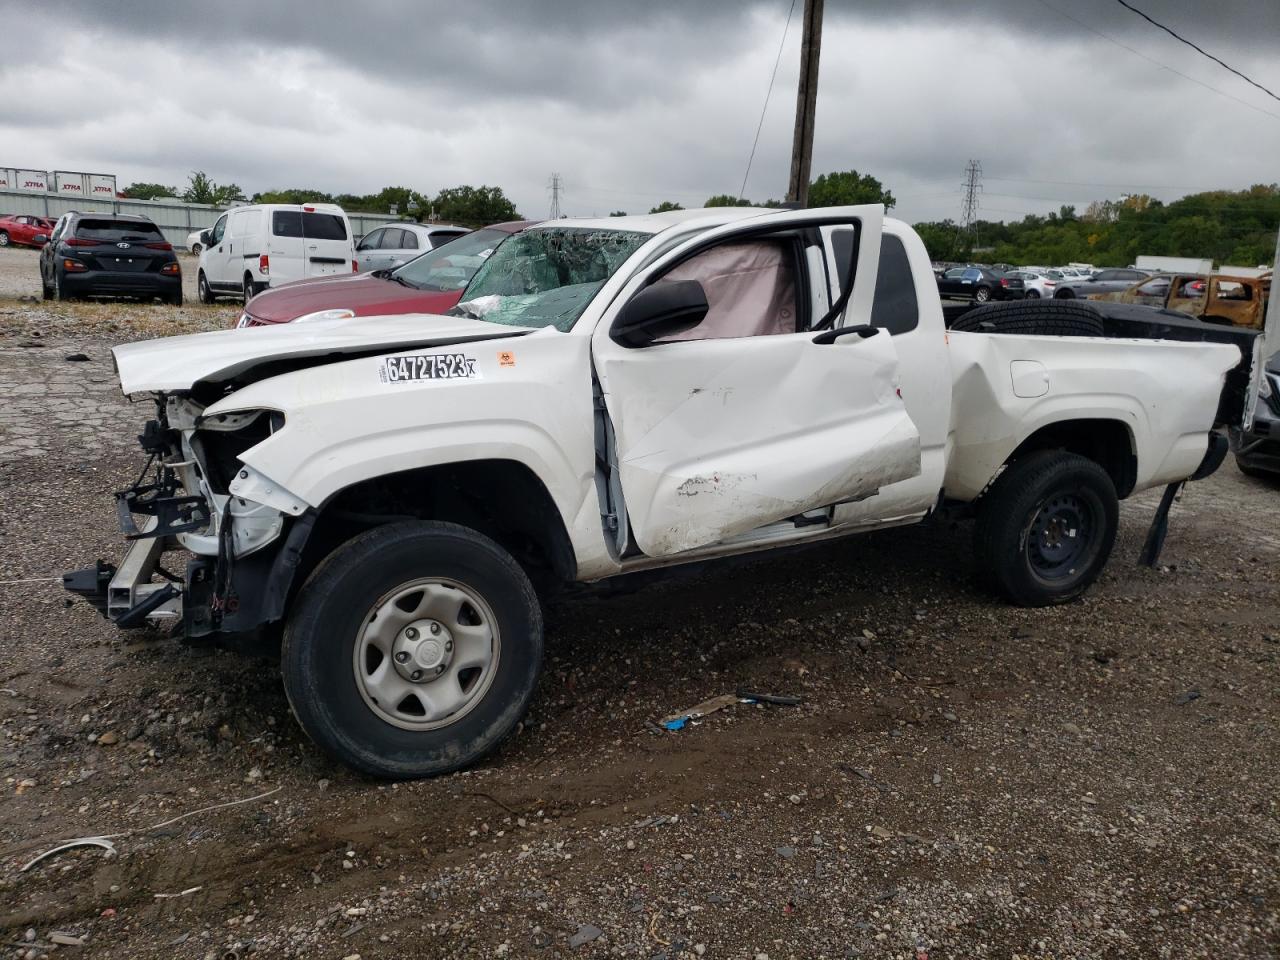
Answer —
(764, 109)
(1198, 49)
(1162, 66)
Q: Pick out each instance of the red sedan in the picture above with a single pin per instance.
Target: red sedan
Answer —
(21, 230)
(431, 283)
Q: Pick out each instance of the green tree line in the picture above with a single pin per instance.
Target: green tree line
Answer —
(1236, 227)
(467, 205)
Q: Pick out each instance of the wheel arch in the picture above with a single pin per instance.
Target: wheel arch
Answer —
(503, 499)
(1107, 442)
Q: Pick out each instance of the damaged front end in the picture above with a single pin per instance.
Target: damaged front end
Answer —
(241, 535)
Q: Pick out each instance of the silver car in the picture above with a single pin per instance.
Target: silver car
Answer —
(388, 247)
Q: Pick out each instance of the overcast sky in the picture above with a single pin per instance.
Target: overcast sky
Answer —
(637, 102)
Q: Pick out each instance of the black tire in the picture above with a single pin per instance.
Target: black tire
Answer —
(1255, 472)
(335, 607)
(982, 294)
(1034, 566)
(1067, 294)
(4, 239)
(1044, 318)
(174, 299)
(58, 292)
(249, 290)
(46, 291)
(203, 291)
(195, 249)
(1033, 294)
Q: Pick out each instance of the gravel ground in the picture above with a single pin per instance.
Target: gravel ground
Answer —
(963, 779)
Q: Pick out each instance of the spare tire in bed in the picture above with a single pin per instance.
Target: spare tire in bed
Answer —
(1049, 318)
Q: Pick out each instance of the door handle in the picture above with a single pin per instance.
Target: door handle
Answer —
(863, 330)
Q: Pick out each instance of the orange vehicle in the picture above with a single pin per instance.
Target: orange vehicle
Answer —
(1217, 298)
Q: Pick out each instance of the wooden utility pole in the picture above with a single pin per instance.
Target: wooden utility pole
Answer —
(806, 103)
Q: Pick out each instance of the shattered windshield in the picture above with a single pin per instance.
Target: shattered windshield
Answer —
(546, 277)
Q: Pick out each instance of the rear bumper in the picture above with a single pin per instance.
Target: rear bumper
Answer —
(124, 283)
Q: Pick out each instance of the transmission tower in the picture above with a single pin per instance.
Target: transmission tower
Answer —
(969, 211)
(556, 187)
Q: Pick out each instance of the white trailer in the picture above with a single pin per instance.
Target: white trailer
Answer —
(1174, 265)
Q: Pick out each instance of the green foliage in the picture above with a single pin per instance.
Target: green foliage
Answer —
(384, 200)
(664, 206)
(149, 191)
(846, 188)
(726, 200)
(473, 206)
(200, 189)
(1236, 227)
(618, 213)
(292, 195)
(941, 240)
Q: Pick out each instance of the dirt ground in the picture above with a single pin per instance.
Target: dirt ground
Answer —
(963, 779)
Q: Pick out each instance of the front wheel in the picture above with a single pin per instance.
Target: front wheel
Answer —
(195, 249)
(203, 290)
(4, 239)
(1046, 528)
(413, 650)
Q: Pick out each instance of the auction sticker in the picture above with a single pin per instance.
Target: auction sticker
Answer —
(416, 367)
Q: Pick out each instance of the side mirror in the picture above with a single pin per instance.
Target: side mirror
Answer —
(205, 238)
(659, 310)
(40, 239)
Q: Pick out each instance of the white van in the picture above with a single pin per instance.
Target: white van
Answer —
(264, 245)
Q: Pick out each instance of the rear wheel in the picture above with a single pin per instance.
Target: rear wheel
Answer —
(982, 294)
(1064, 295)
(249, 290)
(174, 299)
(58, 292)
(203, 290)
(1033, 294)
(1046, 528)
(413, 650)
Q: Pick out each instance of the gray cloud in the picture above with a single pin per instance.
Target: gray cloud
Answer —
(638, 103)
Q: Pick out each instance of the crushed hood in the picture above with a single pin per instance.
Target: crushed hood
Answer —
(179, 363)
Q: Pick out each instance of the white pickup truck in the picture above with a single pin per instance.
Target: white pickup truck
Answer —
(620, 394)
